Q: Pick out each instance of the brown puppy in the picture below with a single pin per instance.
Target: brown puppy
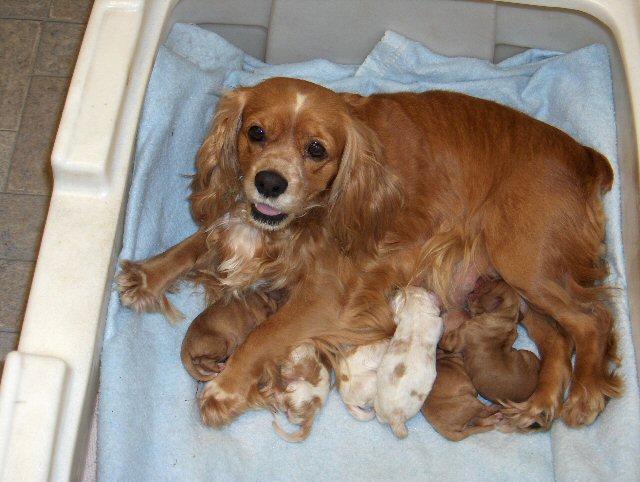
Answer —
(452, 407)
(216, 332)
(498, 371)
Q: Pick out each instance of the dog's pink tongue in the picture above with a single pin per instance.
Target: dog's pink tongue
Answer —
(267, 210)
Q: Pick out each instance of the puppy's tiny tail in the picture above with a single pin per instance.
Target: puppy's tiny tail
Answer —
(399, 428)
(299, 436)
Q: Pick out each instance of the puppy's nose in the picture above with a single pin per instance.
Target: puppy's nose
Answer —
(270, 183)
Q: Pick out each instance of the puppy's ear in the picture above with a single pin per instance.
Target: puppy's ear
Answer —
(366, 194)
(216, 183)
(493, 304)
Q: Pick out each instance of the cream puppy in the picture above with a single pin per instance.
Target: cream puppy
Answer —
(357, 378)
(408, 369)
(305, 381)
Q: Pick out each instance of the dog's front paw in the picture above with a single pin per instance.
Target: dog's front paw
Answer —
(219, 407)
(139, 292)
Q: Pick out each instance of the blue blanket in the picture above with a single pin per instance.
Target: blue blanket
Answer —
(149, 426)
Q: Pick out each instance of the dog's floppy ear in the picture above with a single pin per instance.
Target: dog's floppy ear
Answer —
(366, 194)
(216, 182)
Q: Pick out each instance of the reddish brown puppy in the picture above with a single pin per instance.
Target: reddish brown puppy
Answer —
(499, 372)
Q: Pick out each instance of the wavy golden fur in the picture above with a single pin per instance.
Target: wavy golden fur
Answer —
(342, 199)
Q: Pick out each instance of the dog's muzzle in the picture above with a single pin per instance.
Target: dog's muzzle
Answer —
(269, 184)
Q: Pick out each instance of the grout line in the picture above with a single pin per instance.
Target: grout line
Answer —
(54, 76)
(19, 260)
(46, 19)
(5, 187)
(9, 331)
(25, 194)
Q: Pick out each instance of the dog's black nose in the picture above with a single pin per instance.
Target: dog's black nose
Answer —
(270, 183)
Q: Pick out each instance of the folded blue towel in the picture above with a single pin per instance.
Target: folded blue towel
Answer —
(149, 426)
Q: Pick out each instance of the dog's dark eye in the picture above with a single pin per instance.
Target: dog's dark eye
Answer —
(256, 133)
(316, 150)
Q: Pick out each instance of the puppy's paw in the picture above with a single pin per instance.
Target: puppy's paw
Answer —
(204, 354)
(533, 415)
(362, 413)
(204, 368)
(489, 417)
(139, 292)
(219, 407)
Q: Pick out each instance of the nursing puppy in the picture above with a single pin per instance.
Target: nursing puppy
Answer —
(408, 369)
(357, 378)
(216, 332)
(302, 389)
(498, 371)
(452, 407)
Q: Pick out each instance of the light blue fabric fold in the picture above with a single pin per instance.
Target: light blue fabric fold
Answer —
(149, 427)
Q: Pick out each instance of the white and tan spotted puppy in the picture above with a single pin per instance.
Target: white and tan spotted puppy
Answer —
(357, 376)
(303, 389)
(408, 368)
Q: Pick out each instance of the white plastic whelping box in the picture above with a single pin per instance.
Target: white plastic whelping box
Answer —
(49, 385)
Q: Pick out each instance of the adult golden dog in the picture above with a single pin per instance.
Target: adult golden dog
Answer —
(342, 199)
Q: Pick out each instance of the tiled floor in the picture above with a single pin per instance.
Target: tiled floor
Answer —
(39, 42)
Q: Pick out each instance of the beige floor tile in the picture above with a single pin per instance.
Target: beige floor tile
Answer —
(7, 142)
(15, 279)
(31, 164)
(24, 8)
(21, 221)
(39, 40)
(19, 39)
(8, 342)
(72, 10)
(59, 45)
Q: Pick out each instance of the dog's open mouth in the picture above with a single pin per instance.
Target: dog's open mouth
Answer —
(267, 214)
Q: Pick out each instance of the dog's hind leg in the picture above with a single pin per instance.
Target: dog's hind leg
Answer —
(590, 324)
(556, 265)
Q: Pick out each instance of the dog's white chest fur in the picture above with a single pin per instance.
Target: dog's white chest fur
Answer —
(242, 240)
(408, 369)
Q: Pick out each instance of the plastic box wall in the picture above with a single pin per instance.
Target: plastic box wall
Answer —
(49, 385)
